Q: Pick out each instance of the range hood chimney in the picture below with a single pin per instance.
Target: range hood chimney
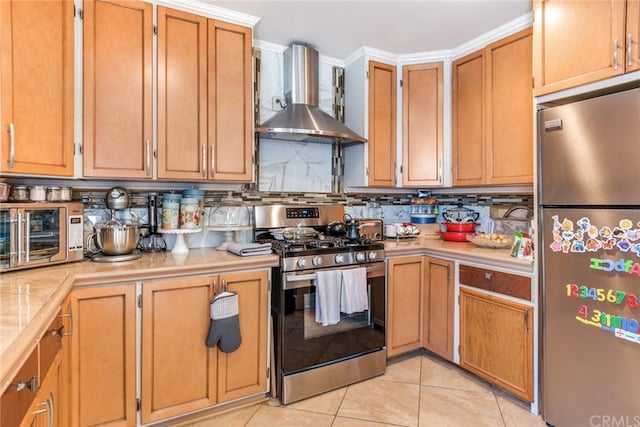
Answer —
(302, 120)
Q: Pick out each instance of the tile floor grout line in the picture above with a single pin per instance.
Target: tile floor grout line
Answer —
(504, 423)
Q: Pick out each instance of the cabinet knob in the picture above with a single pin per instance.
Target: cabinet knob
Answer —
(488, 275)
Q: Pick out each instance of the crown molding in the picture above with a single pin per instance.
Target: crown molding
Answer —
(211, 11)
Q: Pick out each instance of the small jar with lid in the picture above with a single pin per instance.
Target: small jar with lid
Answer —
(54, 194)
(189, 213)
(20, 193)
(37, 193)
(65, 194)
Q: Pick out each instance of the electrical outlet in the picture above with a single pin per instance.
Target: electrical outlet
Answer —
(277, 103)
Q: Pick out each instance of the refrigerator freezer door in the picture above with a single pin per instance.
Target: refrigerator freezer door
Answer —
(589, 151)
(590, 338)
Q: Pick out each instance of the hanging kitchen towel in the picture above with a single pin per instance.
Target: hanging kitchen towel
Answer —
(224, 327)
(354, 297)
(328, 297)
(249, 249)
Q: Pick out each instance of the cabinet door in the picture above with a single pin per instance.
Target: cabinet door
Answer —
(117, 105)
(382, 124)
(468, 120)
(632, 55)
(178, 369)
(404, 304)
(575, 42)
(422, 124)
(509, 109)
(244, 371)
(230, 108)
(182, 95)
(496, 341)
(103, 356)
(36, 73)
(438, 307)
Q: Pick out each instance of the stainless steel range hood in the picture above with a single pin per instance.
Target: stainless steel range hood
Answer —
(302, 119)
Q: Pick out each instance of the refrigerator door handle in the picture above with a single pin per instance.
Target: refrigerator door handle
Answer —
(555, 124)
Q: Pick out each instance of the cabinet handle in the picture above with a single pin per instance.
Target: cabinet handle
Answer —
(50, 411)
(215, 287)
(224, 286)
(629, 49)
(70, 316)
(204, 161)
(615, 54)
(57, 332)
(20, 225)
(12, 144)
(213, 161)
(147, 155)
(27, 237)
(488, 275)
(31, 384)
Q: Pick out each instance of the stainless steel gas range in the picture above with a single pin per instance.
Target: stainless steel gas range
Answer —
(327, 301)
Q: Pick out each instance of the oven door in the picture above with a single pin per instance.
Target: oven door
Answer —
(307, 344)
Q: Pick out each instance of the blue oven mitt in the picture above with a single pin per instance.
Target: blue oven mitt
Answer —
(224, 328)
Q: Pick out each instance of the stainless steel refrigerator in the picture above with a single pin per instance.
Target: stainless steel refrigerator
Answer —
(589, 218)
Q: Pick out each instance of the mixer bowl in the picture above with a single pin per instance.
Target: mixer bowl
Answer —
(117, 239)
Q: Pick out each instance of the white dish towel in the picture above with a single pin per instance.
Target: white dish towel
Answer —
(328, 297)
(354, 297)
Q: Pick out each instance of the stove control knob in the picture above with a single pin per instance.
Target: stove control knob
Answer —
(339, 259)
(302, 263)
(360, 257)
(372, 256)
(316, 261)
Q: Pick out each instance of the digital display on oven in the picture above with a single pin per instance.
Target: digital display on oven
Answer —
(299, 213)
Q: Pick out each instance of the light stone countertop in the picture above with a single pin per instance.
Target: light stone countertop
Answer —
(461, 251)
(30, 299)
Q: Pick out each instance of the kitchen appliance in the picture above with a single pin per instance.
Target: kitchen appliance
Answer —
(370, 228)
(311, 358)
(37, 234)
(589, 226)
(153, 241)
(301, 119)
(115, 240)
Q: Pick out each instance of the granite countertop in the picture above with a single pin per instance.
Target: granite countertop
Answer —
(30, 299)
(462, 251)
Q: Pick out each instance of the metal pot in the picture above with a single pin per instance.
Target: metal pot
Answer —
(337, 228)
(353, 232)
(114, 239)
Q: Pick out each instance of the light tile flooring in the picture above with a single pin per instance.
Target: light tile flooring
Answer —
(417, 390)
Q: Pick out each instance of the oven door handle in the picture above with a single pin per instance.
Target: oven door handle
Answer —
(292, 281)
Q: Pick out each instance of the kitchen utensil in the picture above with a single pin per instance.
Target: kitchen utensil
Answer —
(113, 238)
(299, 233)
(465, 227)
(460, 214)
(352, 228)
(453, 236)
(337, 228)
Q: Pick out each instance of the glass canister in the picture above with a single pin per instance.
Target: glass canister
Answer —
(54, 194)
(170, 214)
(37, 193)
(190, 213)
(65, 194)
(20, 193)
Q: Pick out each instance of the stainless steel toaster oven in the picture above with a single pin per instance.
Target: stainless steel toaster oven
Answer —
(370, 228)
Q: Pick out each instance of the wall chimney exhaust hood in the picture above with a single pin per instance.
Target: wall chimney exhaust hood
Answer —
(302, 120)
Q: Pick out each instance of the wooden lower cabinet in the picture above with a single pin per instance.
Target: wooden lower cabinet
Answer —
(103, 356)
(178, 369)
(404, 304)
(46, 409)
(496, 341)
(438, 306)
(179, 372)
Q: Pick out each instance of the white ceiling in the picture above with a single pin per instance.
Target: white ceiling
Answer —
(338, 28)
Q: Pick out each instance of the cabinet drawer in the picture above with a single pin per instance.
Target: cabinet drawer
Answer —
(15, 403)
(496, 281)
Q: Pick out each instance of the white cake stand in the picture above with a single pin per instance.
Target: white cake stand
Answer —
(229, 231)
(180, 246)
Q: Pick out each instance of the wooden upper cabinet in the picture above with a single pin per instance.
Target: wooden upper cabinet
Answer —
(632, 60)
(493, 114)
(117, 89)
(468, 120)
(382, 124)
(230, 105)
(580, 42)
(37, 74)
(509, 110)
(422, 109)
(182, 95)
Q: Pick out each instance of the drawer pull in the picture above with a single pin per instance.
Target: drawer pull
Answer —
(488, 275)
(32, 384)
